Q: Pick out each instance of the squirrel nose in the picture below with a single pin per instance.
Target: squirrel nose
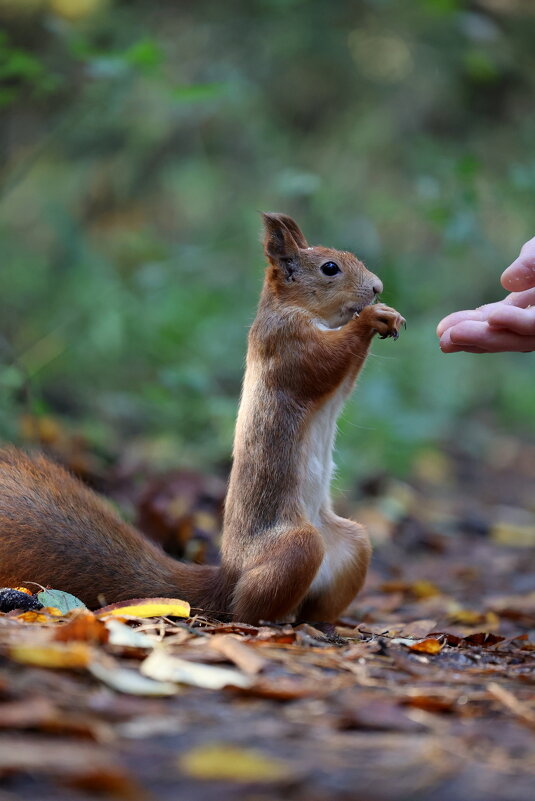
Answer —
(377, 286)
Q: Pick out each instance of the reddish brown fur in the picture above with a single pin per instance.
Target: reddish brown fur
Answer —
(55, 531)
(298, 362)
(284, 551)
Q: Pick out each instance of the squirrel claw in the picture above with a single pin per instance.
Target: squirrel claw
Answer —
(390, 334)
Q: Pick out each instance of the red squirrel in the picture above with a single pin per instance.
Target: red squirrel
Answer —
(285, 554)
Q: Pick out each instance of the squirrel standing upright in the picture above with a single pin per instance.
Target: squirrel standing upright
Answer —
(285, 553)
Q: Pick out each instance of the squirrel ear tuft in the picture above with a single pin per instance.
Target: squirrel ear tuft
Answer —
(282, 238)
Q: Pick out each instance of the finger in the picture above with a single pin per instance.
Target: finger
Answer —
(480, 335)
(458, 317)
(521, 299)
(447, 346)
(521, 273)
(481, 313)
(460, 349)
(520, 321)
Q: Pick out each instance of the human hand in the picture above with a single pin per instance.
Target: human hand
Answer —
(521, 273)
(508, 325)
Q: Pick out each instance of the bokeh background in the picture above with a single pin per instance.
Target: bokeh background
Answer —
(140, 139)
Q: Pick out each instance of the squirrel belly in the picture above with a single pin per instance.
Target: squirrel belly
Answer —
(285, 553)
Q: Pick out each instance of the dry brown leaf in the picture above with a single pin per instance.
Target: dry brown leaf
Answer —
(243, 656)
(275, 635)
(82, 626)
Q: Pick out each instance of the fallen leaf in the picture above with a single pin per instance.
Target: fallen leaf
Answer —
(63, 601)
(130, 681)
(428, 646)
(43, 616)
(53, 655)
(430, 703)
(424, 589)
(420, 589)
(468, 617)
(449, 638)
(108, 783)
(485, 638)
(166, 667)
(147, 607)
(269, 636)
(222, 762)
(123, 635)
(243, 656)
(83, 626)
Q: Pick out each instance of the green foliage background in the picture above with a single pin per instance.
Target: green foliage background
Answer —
(138, 142)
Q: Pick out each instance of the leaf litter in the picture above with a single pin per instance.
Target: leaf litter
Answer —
(426, 686)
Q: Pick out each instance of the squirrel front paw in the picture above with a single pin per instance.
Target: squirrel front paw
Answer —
(382, 320)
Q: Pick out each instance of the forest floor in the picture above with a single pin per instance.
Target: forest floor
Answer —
(427, 688)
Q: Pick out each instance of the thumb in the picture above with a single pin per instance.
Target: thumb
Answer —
(520, 274)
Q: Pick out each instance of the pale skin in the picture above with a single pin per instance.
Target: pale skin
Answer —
(507, 325)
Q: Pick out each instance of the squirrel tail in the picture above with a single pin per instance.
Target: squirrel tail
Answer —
(56, 532)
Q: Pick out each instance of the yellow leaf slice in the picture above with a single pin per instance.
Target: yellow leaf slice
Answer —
(221, 762)
(73, 655)
(146, 607)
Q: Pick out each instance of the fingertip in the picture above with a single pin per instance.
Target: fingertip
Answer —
(518, 276)
(468, 333)
(455, 336)
(445, 342)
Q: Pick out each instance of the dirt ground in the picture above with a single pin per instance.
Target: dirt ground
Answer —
(426, 689)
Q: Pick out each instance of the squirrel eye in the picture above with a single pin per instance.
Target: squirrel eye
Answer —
(330, 268)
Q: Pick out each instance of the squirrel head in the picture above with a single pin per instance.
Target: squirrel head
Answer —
(333, 285)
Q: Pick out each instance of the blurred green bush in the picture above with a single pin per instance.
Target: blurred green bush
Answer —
(138, 142)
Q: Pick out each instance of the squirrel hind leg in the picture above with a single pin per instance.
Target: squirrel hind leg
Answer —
(329, 598)
(273, 588)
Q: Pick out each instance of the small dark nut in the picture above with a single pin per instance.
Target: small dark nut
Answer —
(15, 599)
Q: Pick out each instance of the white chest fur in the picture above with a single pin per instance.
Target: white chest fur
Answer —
(317, 468)
(317, 462)
(317, 457)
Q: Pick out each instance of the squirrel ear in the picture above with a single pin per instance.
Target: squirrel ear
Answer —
(282, 238)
